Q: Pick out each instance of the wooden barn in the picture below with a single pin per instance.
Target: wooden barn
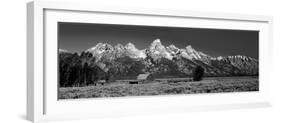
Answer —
(142, 78)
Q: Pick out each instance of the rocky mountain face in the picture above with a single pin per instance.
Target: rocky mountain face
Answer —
(164, 61)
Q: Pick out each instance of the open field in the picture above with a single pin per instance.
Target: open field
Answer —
(163, 87)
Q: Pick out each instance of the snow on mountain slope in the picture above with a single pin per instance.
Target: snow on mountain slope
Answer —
(157, 50)
(173, 50)
(102, 50)
(133, 52)
(190, 53)
(245, 64)
(63, 51)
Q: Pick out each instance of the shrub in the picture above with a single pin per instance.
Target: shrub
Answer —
(198, 73)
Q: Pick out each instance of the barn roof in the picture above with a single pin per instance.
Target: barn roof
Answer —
(142, 76)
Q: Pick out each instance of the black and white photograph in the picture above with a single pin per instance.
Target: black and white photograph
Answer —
(110, 60)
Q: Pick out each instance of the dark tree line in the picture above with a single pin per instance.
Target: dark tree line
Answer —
(83, 70)
(75, 70)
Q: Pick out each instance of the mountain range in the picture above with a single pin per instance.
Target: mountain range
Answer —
(161, 60)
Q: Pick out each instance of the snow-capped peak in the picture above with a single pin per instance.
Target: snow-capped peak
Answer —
(157, 50)
(157, 40)
(133, 52)
(190, 53)
(100, 48)
(63, 51)
(156, 44)
(130, 46)
(93, 48)
(189, 48)
(173, 49)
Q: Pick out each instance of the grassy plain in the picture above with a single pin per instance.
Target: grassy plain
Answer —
(162, 87)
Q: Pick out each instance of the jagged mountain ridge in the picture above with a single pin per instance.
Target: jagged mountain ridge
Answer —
(160, 59)
(155, 50)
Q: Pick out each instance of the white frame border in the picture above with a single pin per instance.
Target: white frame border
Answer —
(36, 54)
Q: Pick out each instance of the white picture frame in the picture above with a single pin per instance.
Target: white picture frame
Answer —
(42, 103)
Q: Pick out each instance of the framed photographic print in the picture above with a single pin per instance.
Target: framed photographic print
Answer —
(100, 61)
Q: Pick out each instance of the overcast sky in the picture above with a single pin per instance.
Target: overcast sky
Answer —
(77, 37)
